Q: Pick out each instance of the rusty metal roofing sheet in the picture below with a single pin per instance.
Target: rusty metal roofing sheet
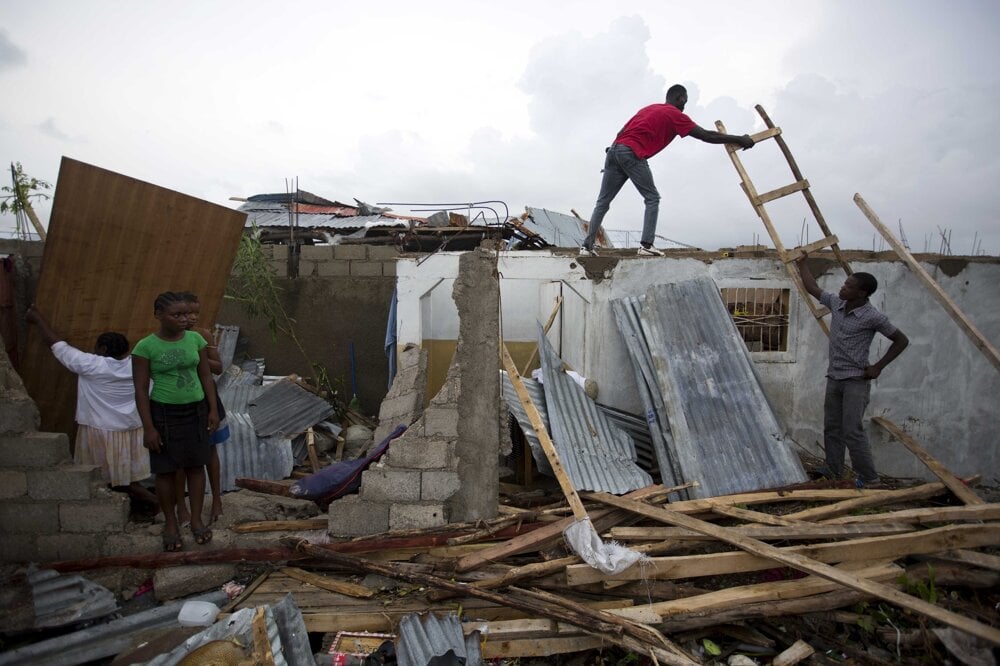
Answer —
(63, 599)
(517, 409)
(279, 218)
(557, 228)
(245, 454)
(726, 436)
(597, 454)
(422, 638)
(627, 313)
(287, 409)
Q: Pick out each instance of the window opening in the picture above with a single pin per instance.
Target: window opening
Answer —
(761, 316)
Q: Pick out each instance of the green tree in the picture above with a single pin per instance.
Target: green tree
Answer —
(18, 196)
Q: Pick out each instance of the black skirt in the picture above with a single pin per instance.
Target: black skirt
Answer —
(183, 436)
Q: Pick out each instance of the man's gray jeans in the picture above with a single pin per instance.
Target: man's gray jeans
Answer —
(843, 410)
(620, 165)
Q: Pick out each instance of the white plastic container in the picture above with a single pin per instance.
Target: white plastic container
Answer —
(197, 614)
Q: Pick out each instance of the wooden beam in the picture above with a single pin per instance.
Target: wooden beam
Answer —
(539, 647)
(941, 514)
(873, 498)
(329, 583)
(731, 597)
(890, 547)
(978, 339)
(955, 484)
(795, 532)
(766, 134)
(772, 496)
(808, 565)
(971, 557)
(752, 516)
(795, 653)
(281, 525)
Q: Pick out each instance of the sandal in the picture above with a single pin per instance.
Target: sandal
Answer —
(202, 535)
(172, 543)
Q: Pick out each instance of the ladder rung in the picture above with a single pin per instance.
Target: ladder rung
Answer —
(797, 252)
(782, 192)
(766, 134)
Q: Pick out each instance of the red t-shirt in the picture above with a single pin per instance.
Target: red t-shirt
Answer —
(653, 128)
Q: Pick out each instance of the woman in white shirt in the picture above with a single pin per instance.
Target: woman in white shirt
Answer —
(109, 432)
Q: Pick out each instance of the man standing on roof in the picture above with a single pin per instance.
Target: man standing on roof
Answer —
(647, 133)
(853, 324)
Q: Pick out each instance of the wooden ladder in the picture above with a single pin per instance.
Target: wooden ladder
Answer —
(758, 201)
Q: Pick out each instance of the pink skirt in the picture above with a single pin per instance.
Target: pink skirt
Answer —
(120, 454)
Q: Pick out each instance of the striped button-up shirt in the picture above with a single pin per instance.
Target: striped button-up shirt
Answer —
(851, 336)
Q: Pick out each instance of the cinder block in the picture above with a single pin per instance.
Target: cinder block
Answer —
(65, 482)
(183, 581)
(13, 484)
(18, 414)
(101, 514)
(439, 485)
(34, 449)
(382, 252)
(316, 252)
(333, 268)
(401, 408)
(20, 548)
(416, 516)
(383, 484)
(52, 547)
(441, 421)
(350, 252)
(134, 543)
(420, 453)
(366, 268)
(308, 268)
(279, 267)
(389, 269)
(349, 516)
(29, 517)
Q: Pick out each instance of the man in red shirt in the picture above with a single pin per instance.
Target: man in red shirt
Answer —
(647, 133)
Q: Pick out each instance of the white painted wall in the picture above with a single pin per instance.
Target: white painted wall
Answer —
(942, 390)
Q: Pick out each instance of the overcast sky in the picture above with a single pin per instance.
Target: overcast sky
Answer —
(444, 101)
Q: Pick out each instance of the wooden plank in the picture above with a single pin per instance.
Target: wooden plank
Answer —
(539, 647)
(808, 565)
(976, 559)
(510, 629)
(113, 244)
(954, 484)
(281, 525)
(752, 516)
(796, 652)
(933, 540)
(941, 514)
(978, 339)
(873, 498)
(329, 583)
(732, 597)
(795, 532)
(797, 252)
(781, 192)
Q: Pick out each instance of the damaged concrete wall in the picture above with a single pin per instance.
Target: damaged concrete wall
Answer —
(444, 468)
(940, 390)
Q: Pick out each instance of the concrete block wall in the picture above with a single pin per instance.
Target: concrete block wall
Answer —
(50, 509)
(336, 260)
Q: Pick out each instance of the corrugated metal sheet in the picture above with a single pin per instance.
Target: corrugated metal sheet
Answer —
(558, 229)
(228, 337)
(638, 430)
(517, 409)
(287, 409)
(279, 218)
(726, 435)
(61, 600)
(246, 373)
(597, 454)
(627, 313)
(424, 637)
(237, 397)
(245, 454)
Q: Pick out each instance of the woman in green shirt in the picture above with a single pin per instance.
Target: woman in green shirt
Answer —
(178, 414)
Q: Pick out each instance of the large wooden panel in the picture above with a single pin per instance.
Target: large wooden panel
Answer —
(113, 244)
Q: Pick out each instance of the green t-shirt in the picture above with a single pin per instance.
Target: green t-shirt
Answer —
(173, 367)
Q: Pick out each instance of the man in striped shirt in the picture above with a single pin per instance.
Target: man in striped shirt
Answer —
(854, 322)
